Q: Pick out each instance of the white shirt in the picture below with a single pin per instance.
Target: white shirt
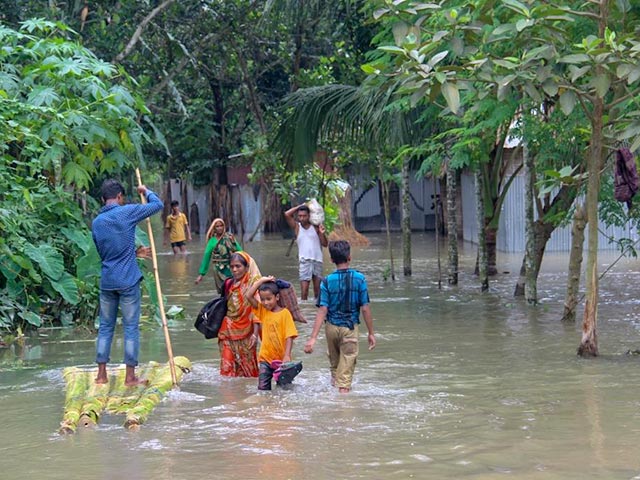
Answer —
(309, 247)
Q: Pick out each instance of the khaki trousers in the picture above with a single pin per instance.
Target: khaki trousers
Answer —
(342, 345)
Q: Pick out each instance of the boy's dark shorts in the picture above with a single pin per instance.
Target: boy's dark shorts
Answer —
(178, 244)
(265, 376)
(286, 377)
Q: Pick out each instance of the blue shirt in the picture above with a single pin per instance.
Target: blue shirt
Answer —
(343, 292)
(114, 233)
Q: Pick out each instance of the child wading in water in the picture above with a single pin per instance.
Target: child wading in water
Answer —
(343, 295)
(276, 326)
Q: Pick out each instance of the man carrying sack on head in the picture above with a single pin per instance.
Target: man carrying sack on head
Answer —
(310, 239)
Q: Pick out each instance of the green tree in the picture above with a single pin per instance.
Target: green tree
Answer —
(556, 145)
(80, 115)
(213, 73)
(586, 56)
(65, 118)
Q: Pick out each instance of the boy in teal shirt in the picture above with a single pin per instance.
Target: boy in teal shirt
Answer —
(343, 295)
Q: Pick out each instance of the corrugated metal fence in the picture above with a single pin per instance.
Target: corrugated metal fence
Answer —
(511, 237)
(368, 214)
(243, 200)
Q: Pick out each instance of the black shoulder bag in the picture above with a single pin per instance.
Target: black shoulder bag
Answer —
(210, 317)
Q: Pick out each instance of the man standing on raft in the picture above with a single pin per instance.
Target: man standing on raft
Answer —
(114, 234)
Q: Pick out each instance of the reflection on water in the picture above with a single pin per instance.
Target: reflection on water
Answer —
(460, 386)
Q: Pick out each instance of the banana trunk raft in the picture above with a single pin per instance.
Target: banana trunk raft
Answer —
(85, 400)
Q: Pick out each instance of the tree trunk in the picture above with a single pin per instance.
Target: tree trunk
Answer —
(522, 278)
(452, 225)
(239, 213)
(220, 200)
(167, 201)
(541, 234)
(138, 33)
(297, 54)
(589, 342)
(442, 211)
(184, 195)
(272, 215)
(436, 196)
(575, 264)
(218, 108)
(252, 91)
(491, 238)
(482, 243)
(387, 218)
(542, 230)
(406, 220)
(345, 229)
(530, 289)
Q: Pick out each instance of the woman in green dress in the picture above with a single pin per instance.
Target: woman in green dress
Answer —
(220, 246)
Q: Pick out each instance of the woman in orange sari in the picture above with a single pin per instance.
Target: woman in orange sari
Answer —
(235, 339)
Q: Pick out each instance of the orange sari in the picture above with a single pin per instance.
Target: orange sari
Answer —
(237, 358)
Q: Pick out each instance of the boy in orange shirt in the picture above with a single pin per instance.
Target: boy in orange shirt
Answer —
(274, 325)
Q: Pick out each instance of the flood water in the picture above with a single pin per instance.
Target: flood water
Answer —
(461, 385)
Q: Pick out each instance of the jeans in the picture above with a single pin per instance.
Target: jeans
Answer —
(129, 301)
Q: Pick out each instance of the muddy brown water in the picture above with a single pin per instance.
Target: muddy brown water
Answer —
(461, 385)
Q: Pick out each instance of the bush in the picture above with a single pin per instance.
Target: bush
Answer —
(66, 117)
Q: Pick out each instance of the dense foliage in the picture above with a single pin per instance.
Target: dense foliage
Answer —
(67, 118)
(213, 73)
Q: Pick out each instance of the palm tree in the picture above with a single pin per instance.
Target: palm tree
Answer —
(368, 117)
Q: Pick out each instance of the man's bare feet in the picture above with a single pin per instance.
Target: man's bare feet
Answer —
(132, 382)
(102, 377)
(130, 379)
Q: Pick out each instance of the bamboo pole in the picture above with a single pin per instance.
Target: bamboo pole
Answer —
(154, 258)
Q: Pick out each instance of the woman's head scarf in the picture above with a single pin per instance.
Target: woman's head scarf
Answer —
(213, 225)
(238, 323)
(253, 272)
